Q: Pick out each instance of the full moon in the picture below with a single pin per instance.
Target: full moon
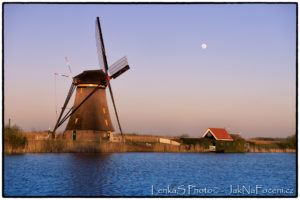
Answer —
(203, 46)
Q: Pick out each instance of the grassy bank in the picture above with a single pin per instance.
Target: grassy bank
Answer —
(243, 146)
(288, 144)
(15, 141)
(64, 146)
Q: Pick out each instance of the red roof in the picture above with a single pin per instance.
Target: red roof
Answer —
(220, 133)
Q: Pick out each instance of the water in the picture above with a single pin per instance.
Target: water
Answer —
(150, 174)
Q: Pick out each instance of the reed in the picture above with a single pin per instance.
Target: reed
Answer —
(269, 148)
(142, 138)
(42, 143)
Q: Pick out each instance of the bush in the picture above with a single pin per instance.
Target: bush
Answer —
(291, 142)
(237, 146)
(13, 136)
(203, 142)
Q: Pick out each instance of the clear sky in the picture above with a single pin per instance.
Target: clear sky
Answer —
(244, 81)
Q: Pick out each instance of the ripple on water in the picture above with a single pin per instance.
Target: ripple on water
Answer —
(134, 174)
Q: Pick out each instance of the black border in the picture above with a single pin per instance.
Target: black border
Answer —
(139, 3)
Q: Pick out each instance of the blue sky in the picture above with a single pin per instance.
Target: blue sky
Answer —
(244, 80)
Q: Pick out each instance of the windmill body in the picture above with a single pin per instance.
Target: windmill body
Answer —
(92, 120)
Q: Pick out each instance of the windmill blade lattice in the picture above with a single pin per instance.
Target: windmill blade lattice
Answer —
(68, 65)
(58, 74)
(99, 46)
(119, 67)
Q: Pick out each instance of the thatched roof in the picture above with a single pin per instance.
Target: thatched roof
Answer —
(91, 77)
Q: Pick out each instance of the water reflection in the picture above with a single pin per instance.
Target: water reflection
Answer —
(87, 174)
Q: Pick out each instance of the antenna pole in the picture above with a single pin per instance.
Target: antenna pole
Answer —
(106, 68)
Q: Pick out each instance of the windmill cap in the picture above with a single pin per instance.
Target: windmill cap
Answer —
(91, 77)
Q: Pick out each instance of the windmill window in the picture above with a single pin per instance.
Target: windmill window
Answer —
(103, 110)
(76, 120)
(106, 122)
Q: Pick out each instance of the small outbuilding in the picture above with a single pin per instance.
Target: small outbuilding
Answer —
(217, 134)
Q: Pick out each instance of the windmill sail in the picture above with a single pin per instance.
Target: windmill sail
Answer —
(68, 65)
(119, 67)
(99, 46)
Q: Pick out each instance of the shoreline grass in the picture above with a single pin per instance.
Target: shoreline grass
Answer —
(64, 146)
(15, 142)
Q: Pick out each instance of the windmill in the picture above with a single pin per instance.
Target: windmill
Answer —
(90, 115)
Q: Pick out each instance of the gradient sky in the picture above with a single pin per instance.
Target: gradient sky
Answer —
(244, 81)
